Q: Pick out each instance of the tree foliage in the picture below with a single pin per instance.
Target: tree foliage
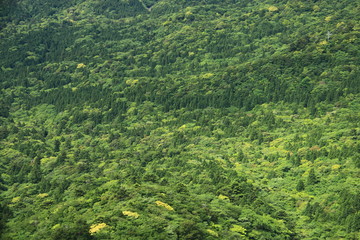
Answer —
(174, 119)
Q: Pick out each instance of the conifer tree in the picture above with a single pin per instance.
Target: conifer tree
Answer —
(35, 173)
(312, 179)
(300, 186)
(57, 146)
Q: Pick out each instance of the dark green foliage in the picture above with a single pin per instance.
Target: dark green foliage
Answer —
(72, 231)
(5, 212)
(35, 172)
(312, 179)
(57, 146)
(300, 186)
(190, 230)
(61, 158)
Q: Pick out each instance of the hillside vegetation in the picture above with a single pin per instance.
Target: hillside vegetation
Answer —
(179, 119)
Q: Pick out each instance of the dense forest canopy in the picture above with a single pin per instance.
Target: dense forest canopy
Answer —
(179, 119)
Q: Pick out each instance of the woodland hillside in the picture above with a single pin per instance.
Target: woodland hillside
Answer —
(179, 119)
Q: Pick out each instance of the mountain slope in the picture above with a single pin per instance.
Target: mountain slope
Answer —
(179, 119)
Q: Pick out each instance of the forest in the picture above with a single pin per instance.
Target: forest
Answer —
(179, 119)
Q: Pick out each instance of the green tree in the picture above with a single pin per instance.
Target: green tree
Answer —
(300, 186)
(61, 158)
(35, 172)
(312, 179)
(57, 145)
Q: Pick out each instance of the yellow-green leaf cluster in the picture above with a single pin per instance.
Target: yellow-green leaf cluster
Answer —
(165, 205)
